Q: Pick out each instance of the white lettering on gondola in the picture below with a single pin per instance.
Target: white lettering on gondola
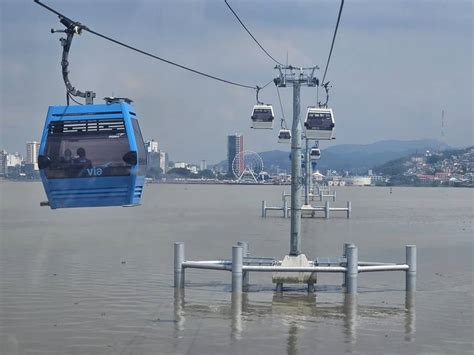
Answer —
(94, 171)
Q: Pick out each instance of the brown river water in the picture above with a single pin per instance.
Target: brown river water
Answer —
(100, 281)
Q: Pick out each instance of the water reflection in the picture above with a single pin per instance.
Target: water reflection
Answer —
(239, 305)
(296, 312)
(292, 344)
(179, 313)
(350, 322)
(410, 317)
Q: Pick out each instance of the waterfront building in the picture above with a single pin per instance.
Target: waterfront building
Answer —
(3, 162)
(203, 165)
(153, 162)
(193, 169)
(377, 179)
(152, 146)
(32, 149)
(180, 164)
(164, 161)
(442, 176)
(235, 145)
(317, 176)
(357, 181)
(14, 165)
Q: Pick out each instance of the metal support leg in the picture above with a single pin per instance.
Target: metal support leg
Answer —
(349, 209)
(326, 211)
(264, 209)
(334, 197)
(344, 255)
(279, 287)
(237, 260)
(285, 209)
(178, 265)
(411, 272)
(352, 269)
(245, 274)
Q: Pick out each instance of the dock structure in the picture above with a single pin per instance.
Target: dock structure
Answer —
(319, 195)
(307, 210)
(242, 264)
(324, 191)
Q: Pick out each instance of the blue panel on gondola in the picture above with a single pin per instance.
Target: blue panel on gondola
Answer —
(92, 155)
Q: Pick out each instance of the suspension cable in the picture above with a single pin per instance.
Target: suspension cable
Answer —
(85, 28)
(281, 105)
(333, 40)
(251, 35)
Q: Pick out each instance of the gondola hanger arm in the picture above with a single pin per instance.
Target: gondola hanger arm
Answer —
(326, 89)
(257, 90)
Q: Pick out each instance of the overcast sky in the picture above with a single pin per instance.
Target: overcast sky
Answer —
(396, 64)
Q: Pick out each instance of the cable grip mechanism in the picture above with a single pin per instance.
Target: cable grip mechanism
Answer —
(72, 28)
(257, 89)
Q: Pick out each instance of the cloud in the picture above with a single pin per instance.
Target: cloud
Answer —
(395, 65)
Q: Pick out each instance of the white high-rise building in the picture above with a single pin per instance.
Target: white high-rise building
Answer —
(152, 146)
(3, 162)
(14, 159)
(32, 150)
(203, 165)
(164, 162)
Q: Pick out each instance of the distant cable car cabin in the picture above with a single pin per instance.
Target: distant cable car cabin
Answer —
(319, 123)
(315, 154)
(92, 155)
(284, 136)
(262, 116)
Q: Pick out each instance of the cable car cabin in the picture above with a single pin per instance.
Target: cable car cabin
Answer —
(92, 155)
(319, 123)
(284, 136)
(315, 153)
(262, 117)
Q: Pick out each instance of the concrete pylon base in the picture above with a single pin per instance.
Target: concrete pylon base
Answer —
(294, 277)
(307, 211)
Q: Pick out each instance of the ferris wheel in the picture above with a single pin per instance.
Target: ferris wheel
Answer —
(247, 166)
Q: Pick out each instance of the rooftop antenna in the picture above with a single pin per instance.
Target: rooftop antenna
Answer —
(442, 134)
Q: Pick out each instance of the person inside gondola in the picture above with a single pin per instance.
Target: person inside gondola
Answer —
(81, 158)
(67, 158)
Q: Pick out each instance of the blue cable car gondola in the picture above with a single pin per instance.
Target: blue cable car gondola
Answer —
(92, 155)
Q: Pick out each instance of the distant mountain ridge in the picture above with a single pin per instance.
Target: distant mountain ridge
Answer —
(356, 158)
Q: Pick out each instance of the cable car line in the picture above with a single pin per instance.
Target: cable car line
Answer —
(264, 86)
(85, 28)
(251, 35)
(281, 105)
(333, 40)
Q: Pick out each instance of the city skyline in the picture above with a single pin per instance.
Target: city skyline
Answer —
(390, 77)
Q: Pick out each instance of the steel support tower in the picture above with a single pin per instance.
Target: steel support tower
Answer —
(296, 77)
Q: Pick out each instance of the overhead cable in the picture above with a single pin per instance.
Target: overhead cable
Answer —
(281, 105)
(251, 35)
(333, 40)
(85, 28)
